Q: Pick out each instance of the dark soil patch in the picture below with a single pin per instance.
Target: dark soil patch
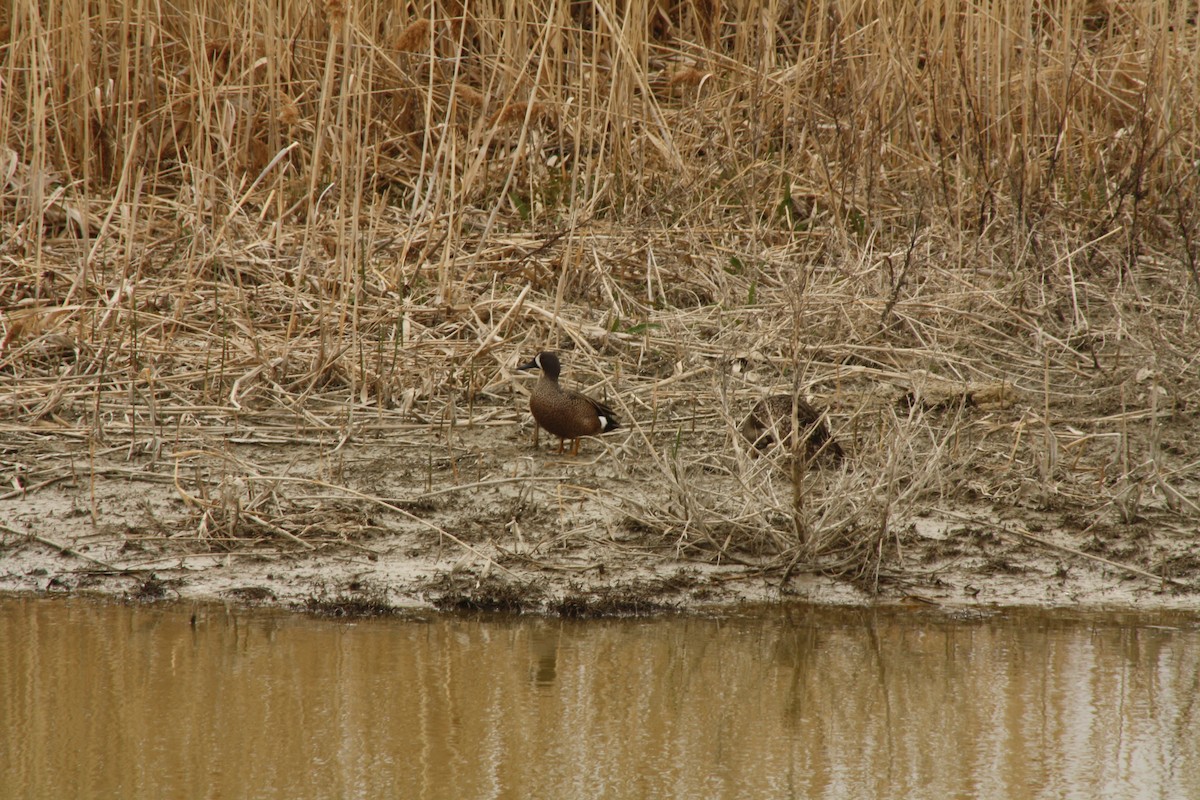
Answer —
(354, 600)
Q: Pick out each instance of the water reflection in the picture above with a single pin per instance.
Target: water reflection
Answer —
(112, 701)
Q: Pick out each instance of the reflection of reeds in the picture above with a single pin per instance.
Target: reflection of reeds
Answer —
(227, 214)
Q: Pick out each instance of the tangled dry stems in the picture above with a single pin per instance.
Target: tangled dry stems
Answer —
(310, 226)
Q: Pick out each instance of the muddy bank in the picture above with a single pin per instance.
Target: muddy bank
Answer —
(259, 322)
(474, 518)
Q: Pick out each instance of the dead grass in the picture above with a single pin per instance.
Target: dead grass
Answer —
(970, 232)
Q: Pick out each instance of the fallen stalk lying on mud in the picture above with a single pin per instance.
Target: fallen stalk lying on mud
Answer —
(1025, 536)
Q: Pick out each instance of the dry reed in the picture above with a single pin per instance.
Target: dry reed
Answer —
(301, 224)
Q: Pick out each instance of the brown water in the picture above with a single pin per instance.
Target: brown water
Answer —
(113, 701)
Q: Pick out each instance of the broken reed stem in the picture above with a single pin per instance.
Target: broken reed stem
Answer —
(1042, 542)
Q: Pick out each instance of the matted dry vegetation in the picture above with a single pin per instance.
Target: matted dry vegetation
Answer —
(266, 269)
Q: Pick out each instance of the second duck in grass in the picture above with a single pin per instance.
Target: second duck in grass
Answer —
(770, 424)
(566, 413)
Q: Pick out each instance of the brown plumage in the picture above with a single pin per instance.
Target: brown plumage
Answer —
(566, 413)
(770, 423)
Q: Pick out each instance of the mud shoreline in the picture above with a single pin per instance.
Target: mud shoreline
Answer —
(524, 530)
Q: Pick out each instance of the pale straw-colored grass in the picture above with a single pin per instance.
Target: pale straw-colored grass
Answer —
(336, 218)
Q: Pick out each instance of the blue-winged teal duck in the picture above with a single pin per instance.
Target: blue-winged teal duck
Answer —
(770, 423)
(566, 413)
